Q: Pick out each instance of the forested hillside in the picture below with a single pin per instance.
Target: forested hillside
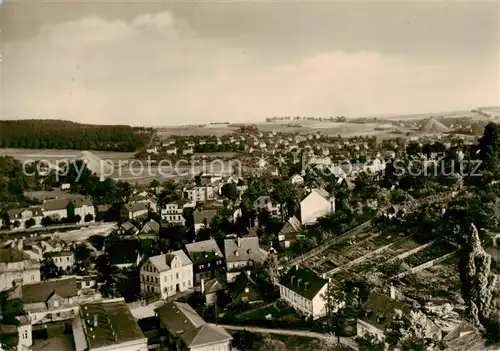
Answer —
(57, 134)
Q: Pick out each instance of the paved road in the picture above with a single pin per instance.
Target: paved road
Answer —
(345, 341)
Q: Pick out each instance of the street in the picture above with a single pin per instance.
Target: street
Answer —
(345, 341)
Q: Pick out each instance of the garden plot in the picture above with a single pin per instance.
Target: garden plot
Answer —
(438, 284)
(430, 253)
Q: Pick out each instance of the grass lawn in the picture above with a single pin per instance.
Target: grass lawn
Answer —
(276, 310)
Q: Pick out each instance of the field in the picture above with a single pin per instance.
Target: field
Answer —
(380, 129)
(54, 155)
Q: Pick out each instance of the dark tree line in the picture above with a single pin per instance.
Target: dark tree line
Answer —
(56, 134)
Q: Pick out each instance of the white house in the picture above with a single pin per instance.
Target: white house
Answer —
(173, 212)
(48, 301)
(297, 179)
(265, 202)
(200, 193)
(17, 267)
(316, 204)
(107, 325)
(62, 259)
(25, 217)
(304, 291)
(167, 274)
(136, 210)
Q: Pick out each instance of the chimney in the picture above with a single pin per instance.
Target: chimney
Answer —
(298, 281)
(393, 292)
(95, 321)
(297, 267)
(236, 253)
(239, 241)
(202, 286)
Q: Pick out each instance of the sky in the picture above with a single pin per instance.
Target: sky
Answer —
(171, 63)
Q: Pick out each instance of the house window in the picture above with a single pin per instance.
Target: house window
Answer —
(184, 284)
(189, 282)
(32, 277)
(25, 334)
(56, 303)
(176, 275)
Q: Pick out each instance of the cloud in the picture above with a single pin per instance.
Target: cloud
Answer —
(156, 70)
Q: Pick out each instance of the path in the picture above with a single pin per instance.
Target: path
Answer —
(343, 340)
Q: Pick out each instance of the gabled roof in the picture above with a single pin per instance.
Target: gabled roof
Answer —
(293, 225)
(303, 281)
(162, 262)
(128, 226)
(136, 207)
(42, 291)
(55, 204)
(80, 202)
(151, 227)
(11, 255)
(242, 249)
(181, 320)
(214, 285)
(206, 250)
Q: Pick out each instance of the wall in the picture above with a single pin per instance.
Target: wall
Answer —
(313, 207)
(363, 328)
(427, 264)
(224, 346)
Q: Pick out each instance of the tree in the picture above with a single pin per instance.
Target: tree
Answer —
(230, 191)
(270, 344)
(343, 304)
(369, 342)
(108, 275)
(30, 223)
(88, 217)
(489, 145)
(83, 259)
(49, 270)
(411, 332)
(46, 221)
(478, 282)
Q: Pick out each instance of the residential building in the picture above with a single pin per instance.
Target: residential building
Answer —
(84, 208)
(150, 230)
(136, 210)
(107, 326)
(48, 301)
(211, 288)
(186, 330)
(23, 218)
(56, 209)
(62, 259)
(316, 204)
(265, 202)
(167, 274)
(60, 208)
(173, 212)
(297, 179)
(210, 178)
(146, 199)
(207, 258)
(241, 253)
(128, 228)
(200, 193)
(202, 218)
(288, 235)
(245, 290)
(17, 268)
(304, 291)
(172, 151)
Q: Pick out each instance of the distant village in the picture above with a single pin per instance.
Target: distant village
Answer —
(297, 239)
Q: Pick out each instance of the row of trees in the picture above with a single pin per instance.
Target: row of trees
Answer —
(56, 134)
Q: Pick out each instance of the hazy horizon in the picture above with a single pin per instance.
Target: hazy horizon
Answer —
(171, 63)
